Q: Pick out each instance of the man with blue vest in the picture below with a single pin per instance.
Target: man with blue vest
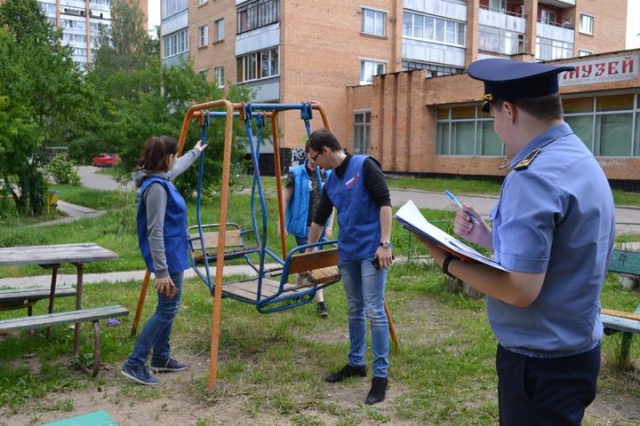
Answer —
(301, 197)
(358, 190)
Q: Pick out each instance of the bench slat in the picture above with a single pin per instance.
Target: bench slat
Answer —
(68, 317)
(623, 324)
(12, 296)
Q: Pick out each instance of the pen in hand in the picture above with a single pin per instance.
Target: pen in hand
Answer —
(459, 204)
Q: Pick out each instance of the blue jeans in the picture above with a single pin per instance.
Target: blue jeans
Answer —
(364, 286)
(157, 331)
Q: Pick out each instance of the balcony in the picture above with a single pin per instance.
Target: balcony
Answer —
(562, 4)
(502, 20)
(563, 33)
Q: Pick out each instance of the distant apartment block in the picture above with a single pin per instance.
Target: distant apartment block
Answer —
(81, 21)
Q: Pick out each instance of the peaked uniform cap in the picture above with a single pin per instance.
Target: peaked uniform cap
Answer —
(510, 80)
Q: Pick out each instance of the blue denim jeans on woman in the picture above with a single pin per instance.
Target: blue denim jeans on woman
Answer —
(157, 331)
(364, 286)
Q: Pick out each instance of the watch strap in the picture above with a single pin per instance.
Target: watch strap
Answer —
(445, 265)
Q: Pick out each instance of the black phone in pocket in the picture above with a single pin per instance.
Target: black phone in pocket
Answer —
(376, 262)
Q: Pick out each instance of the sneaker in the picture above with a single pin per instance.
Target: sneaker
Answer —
(140, 375)
(170, 365)
(346, 372)
(322, 309)
(378, 390)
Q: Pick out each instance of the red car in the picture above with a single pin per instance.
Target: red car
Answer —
(106, 160)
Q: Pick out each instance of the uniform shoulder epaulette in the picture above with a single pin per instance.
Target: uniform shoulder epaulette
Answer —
(524, 163)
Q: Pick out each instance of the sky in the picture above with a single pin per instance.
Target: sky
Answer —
(633, 22)
(154, 14)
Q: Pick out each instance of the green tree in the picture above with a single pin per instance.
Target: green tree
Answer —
(125, 46)
(42, 89)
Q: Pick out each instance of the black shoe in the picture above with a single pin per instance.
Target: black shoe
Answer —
(346, 372)
(322, 309)
(378, 390)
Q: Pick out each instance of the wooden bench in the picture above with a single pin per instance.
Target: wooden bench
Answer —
(628, 323)
(69, 317)
(26, 298)
(235, 244)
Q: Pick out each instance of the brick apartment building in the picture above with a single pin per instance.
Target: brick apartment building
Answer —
(388, 72)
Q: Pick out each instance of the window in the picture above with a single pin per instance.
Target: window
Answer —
(219, 76)
(203, 1)
(219, 29)
(361, 132)
(369, 69)
(258, 14)
(176, 44)
(605, 123)
(203, 36)
(499, 40)
(586, 24)
(203, 74)
(374, 22)
(582, 52)
(498, 5)
(548, 16)
(465, 130)
(430, 28)
(548, 49)
(258, 65)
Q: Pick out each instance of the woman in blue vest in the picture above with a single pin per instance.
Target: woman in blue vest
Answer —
(359, 192)
(301, 197)
(163, 241)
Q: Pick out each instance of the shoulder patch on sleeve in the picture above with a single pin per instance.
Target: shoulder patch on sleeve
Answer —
(524, 163)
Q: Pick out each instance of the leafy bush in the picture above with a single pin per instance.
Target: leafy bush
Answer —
(63, 170)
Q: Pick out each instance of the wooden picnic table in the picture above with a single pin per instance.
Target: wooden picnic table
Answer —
(52, 256)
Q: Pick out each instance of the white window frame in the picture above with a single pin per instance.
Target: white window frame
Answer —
(203, 35)
(203, 1)
(361, 131)
(583, 52)
(586, 24)
(219, 29)
(374, 22)
(369, 68)
(219, 73)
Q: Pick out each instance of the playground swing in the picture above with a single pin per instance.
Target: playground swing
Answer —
(261, 289)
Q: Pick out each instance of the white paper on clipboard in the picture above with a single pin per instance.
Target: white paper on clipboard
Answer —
(411, 218)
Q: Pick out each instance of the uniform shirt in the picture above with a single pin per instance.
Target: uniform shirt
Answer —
(555, 216)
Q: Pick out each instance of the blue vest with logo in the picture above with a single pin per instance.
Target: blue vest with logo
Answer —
(176, 242)
(358, 214)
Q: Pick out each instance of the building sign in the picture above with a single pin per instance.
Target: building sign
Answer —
(602, 70)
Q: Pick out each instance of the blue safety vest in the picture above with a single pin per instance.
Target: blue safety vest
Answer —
(176, 241)
(358, 214)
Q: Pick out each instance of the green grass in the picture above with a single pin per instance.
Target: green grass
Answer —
(270, 366)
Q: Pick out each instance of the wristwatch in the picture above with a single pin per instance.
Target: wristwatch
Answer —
(385, 244)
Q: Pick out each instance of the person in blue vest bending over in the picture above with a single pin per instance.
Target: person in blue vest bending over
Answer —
(301, 197)
(553, 229)
(163, 241)
(358, 190)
